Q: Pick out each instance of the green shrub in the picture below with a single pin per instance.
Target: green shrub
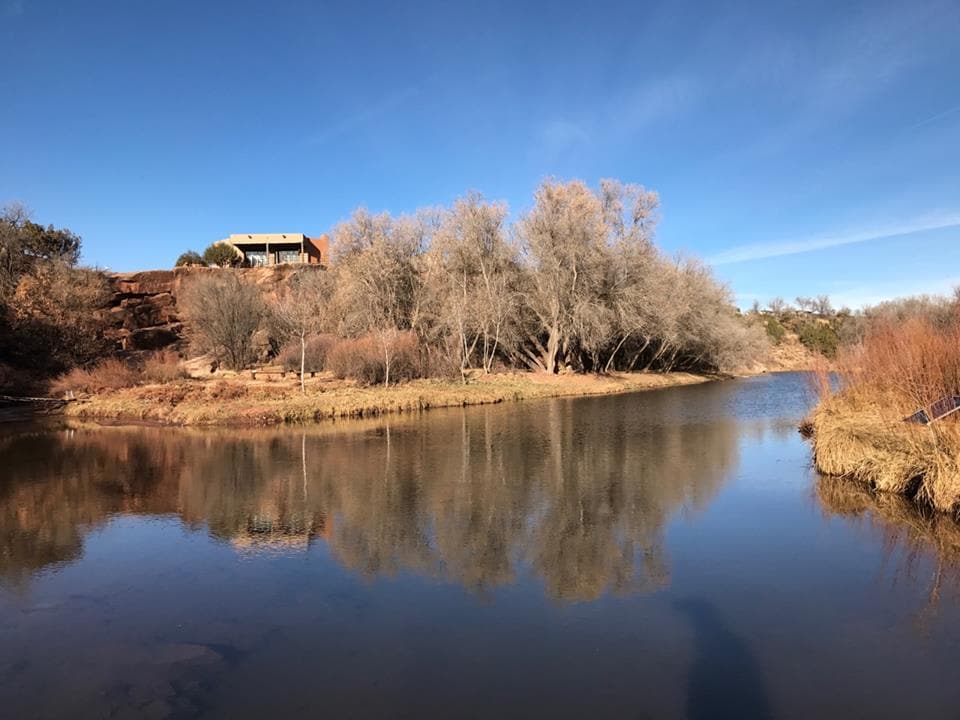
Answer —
(222, 255)
(820, 337)
(189, 258)
(775, 330)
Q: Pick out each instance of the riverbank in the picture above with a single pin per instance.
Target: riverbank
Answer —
(866, 441)
(243, 401)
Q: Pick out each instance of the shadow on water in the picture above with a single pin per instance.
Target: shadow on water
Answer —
(725, 679)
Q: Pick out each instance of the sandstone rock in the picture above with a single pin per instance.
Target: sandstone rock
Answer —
(152, 338)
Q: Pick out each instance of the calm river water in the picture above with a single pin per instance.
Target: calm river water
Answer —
(657, 555)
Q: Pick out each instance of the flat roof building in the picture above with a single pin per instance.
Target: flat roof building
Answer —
(260, 249)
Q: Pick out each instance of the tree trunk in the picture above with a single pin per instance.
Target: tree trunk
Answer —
(550, 355)
(303, 363)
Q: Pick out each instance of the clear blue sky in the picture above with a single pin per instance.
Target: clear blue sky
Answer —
(804, 147)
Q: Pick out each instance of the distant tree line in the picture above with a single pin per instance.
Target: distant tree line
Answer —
(576, 284)
(825, 330)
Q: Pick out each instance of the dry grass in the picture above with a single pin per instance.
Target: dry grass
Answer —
(248, 402)
(115, 374)
(859, 431)
(109, 374)
(162, 367)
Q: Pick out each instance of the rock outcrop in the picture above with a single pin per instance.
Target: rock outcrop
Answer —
(144, 314)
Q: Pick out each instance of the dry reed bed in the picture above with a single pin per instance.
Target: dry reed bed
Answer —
(241, 402)
(858, 431)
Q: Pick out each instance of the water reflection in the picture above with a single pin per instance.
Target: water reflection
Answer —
(923, 547)
(576, 493)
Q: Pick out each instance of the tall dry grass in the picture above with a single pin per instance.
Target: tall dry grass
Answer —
(859, 428)
(116, 374)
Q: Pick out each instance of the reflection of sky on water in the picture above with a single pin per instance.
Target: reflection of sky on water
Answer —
(659, 554)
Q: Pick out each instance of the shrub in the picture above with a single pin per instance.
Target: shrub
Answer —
(819, 337)
(317, 350)
(221, 254)
(775, 330)
(162, 367)
(224, 313)
(189, 258)
(109, 374)
(57, 319)
(363, 359)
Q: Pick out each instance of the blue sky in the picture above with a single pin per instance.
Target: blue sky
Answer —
(803, 147)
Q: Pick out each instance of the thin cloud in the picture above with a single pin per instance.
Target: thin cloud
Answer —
(372, 112)
(622, 116)
(559, 135)
(934, 118)
(759, 251)
(865, 295)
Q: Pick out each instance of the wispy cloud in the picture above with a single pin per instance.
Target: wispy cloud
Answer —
(860, 296)
(558, 135)
(934, 118)
(622, 116)
(759, 251)
(353, 121)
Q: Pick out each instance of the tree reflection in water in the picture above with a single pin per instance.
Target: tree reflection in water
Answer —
(918, 541)
(573, 493)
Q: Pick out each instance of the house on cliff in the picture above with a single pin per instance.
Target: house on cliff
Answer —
(262, 249)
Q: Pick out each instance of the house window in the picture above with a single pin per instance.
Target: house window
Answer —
(256, 258)
(288, 256)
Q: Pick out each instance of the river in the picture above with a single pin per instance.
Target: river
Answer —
(655, 555)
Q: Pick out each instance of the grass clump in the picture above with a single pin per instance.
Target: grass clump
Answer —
(109, 374)
(858, 427)
(114, 373)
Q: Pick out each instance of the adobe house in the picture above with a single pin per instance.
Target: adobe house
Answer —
(261, 249)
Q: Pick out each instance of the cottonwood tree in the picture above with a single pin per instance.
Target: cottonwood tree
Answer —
(378, 264)
(301, 310)
(563, 244)
(224, 313)
(635, 295)
(471, 277)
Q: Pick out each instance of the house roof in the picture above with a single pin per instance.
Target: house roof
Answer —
(261, 238)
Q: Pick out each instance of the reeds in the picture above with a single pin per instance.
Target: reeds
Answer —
(858, 427)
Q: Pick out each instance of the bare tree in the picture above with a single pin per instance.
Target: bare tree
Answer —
(301, 310)
(224, 312)
(777, 305)
(823, 306)
(379, 289)
(471, 269)
(563, 240)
